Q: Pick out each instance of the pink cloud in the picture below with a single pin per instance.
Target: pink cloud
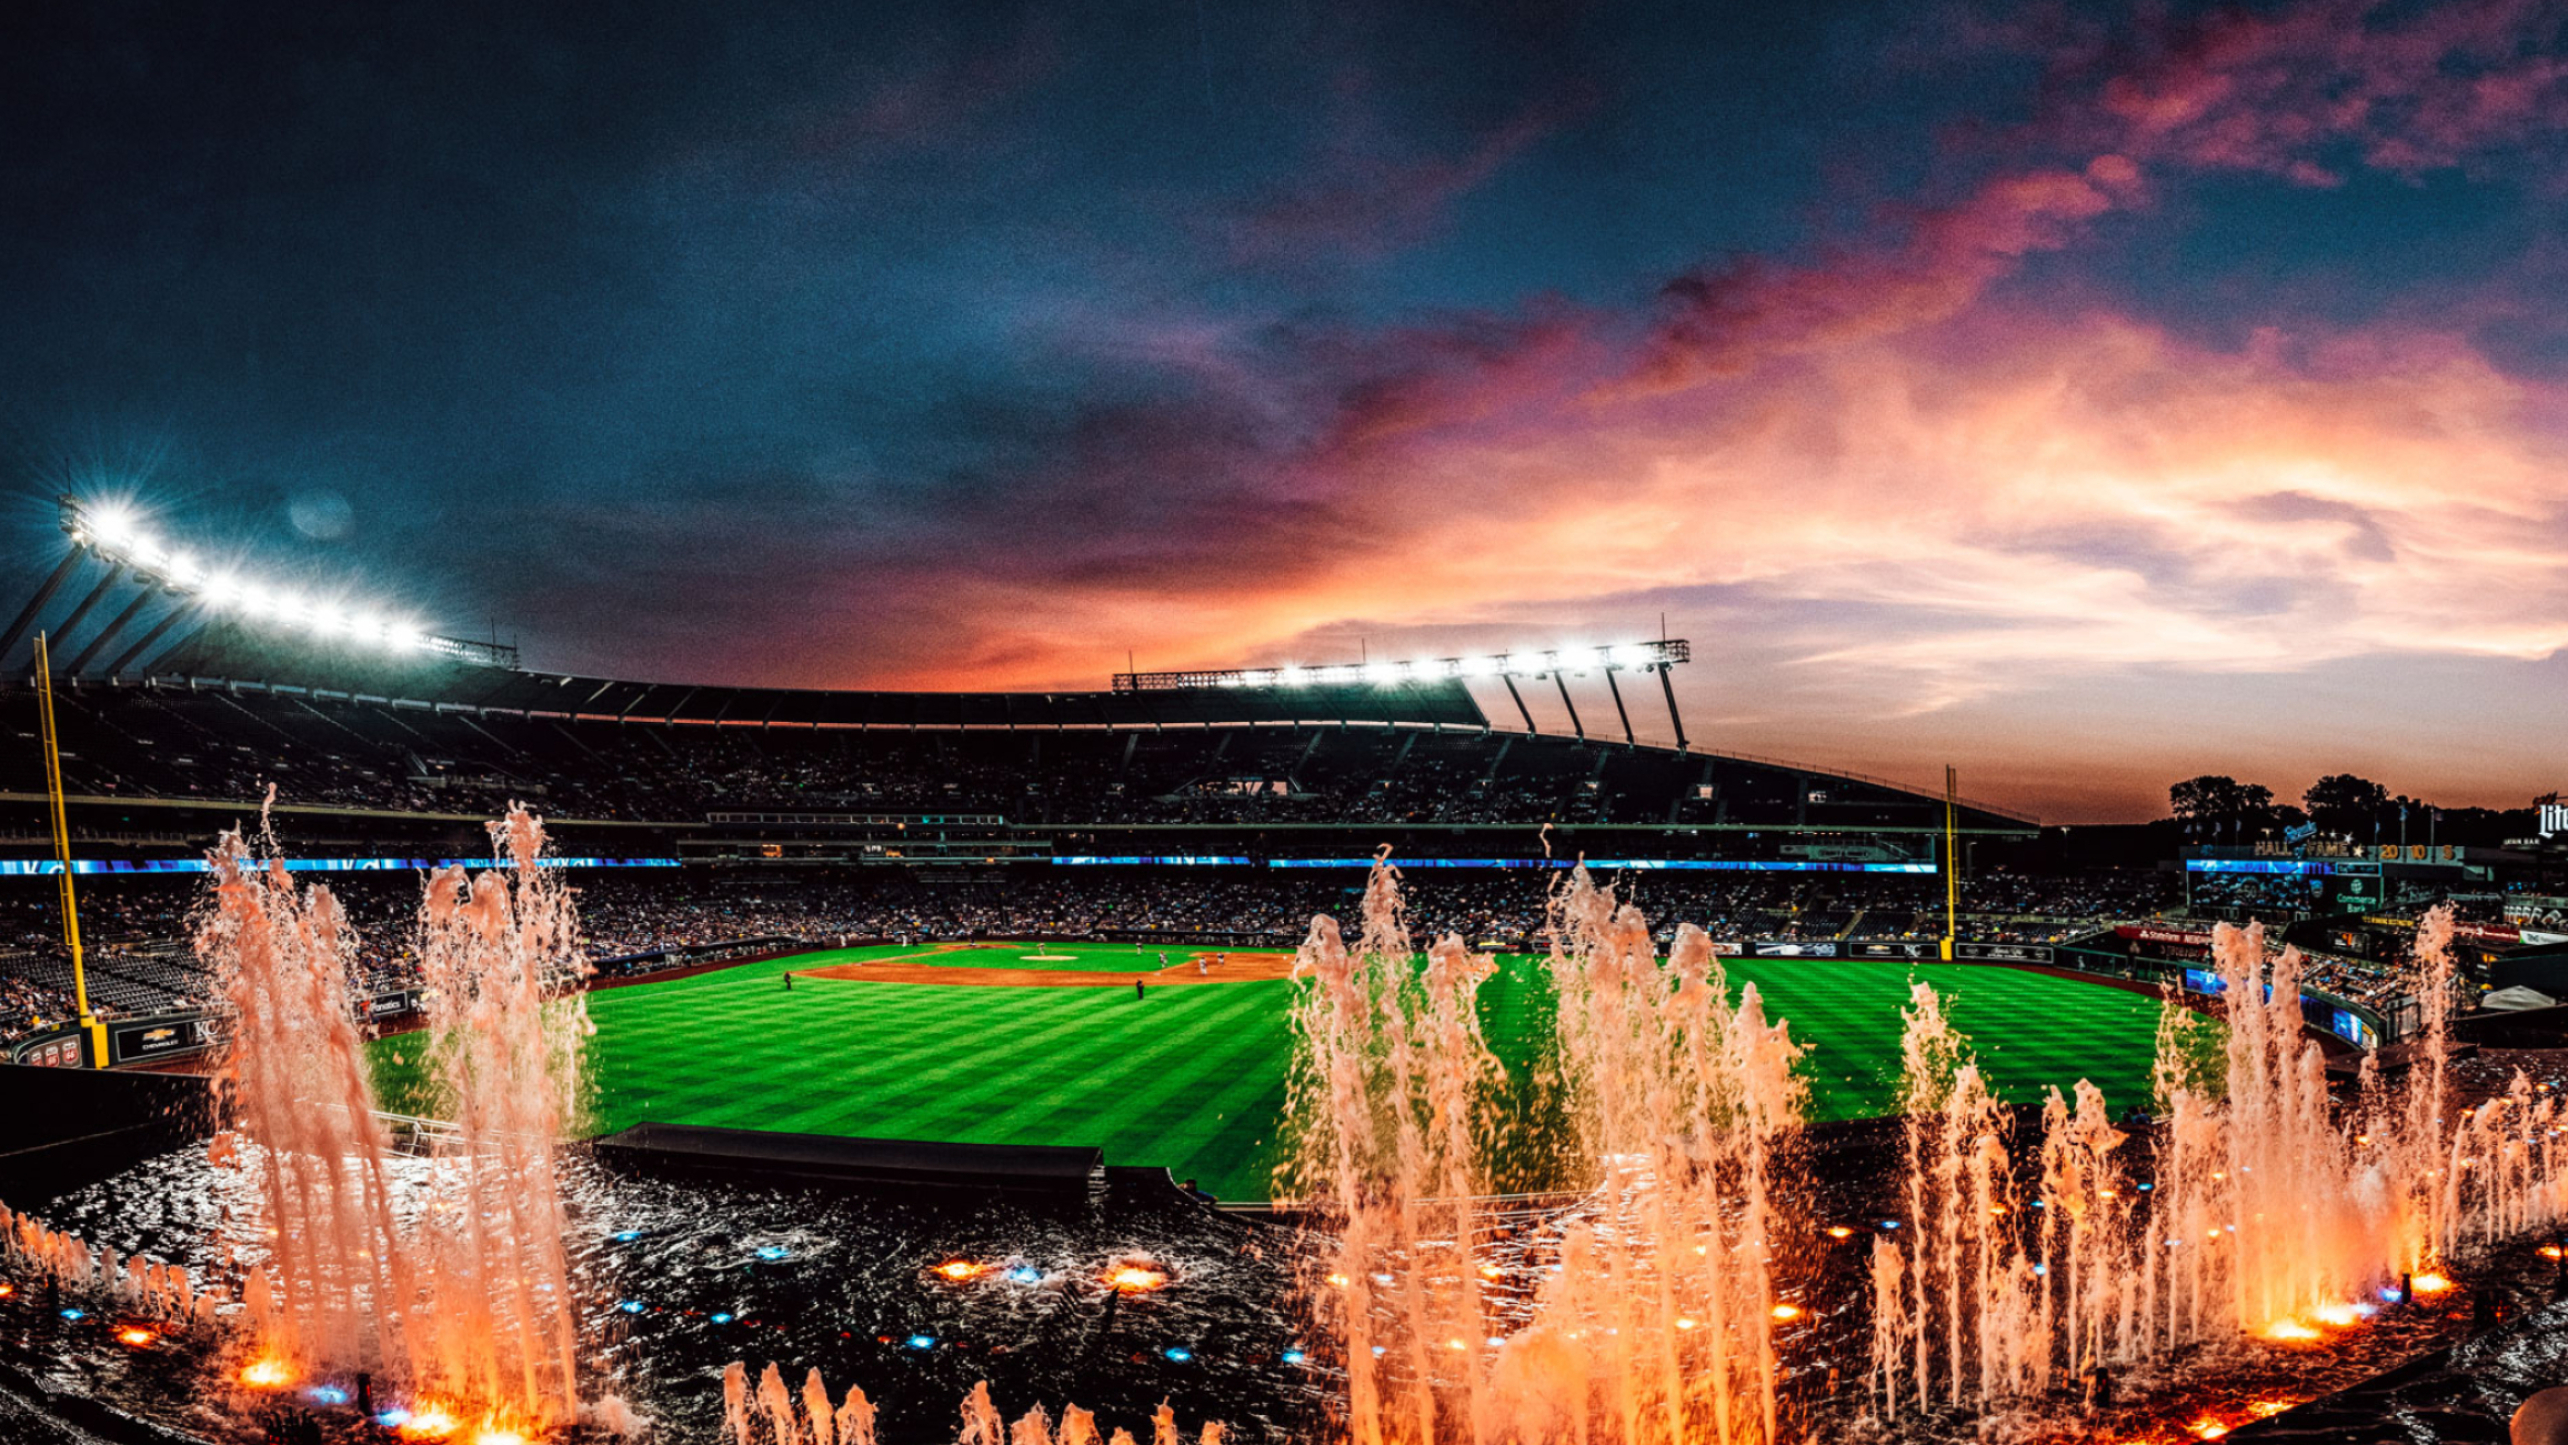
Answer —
(2408, 89)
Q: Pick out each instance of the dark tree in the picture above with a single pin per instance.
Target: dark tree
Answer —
(2344, 803)
(2206, 797)
(2213, 803)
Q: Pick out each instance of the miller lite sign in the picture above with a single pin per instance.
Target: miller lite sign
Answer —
(2554, 816)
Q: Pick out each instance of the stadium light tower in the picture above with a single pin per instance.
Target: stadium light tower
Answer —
(118, 535)
(1555, 663)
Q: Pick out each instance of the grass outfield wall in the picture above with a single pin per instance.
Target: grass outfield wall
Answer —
(1192, 1076)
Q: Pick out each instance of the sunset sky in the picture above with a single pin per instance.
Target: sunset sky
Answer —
(2084, 396)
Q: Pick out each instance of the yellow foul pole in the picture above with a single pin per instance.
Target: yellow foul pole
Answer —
(62, 855)
(1952, 866)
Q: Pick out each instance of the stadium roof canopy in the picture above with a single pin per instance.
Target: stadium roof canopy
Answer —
(171, 626)
(231, 655)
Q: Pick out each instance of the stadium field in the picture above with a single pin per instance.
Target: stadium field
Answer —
(1193, 1077)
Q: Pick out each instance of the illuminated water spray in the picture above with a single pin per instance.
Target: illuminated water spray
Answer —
(501, 969)
(2261, 1207)
(476, 1304)
(1658, 1324)
(294, 1082)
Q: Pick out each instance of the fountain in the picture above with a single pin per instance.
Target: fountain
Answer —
(2038, 1271)
(1656, 1321)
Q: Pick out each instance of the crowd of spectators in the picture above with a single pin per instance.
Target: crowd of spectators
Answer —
(173, 742)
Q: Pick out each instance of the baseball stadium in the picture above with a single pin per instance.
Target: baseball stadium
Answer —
(1205, 985)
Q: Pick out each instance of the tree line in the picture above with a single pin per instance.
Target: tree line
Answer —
(2215, 808)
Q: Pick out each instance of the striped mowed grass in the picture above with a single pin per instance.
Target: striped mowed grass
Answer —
(1193, 1078)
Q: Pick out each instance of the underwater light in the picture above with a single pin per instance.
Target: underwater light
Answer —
(1178, 1353)
(326, 1395)
(75, 1314)
(631, 1306)
(1137, 1279)
(627, 1236)
(722, 1317)
(773, 1251)
(1026, 1274)
(922, 1342)
(1294, 1357)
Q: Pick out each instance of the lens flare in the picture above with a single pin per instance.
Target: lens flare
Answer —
(267, 1374)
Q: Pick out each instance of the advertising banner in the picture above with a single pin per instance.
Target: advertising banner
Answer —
(2164, 933)
(58, 1051)
(155, 1038)
(2003, 952)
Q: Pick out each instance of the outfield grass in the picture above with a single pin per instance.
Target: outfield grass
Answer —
(1192, 1076)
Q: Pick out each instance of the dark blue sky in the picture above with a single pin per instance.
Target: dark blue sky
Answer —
(2026, 386)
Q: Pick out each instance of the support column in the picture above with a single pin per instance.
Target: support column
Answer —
(1669, 688)
(27, 616)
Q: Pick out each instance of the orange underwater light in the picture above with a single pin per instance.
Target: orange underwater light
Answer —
(1137, 1279)
(429, 1422)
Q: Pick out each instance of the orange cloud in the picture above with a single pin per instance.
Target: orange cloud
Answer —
(2007, 489)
